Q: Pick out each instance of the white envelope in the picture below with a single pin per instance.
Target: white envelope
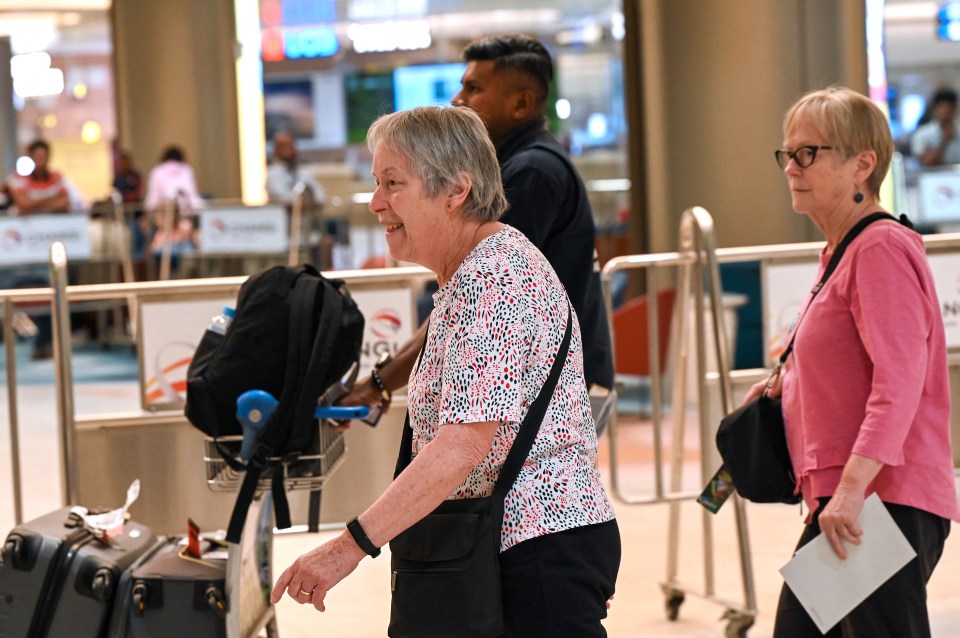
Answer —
(829, 588)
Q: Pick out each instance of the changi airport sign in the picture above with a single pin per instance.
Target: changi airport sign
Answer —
(244, 230)
(26, 240)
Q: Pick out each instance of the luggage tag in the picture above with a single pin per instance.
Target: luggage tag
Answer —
(193, 539)
(108, 525)
(717, 491)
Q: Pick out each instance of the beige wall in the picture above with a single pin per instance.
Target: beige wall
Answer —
(176, 84)
(717, 78)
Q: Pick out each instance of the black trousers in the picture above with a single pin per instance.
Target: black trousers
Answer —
(898, 608)
(558, 585)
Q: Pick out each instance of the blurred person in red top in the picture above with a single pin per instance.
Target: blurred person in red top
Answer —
(43, 190)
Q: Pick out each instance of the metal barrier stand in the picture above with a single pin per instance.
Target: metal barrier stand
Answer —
(698, 275)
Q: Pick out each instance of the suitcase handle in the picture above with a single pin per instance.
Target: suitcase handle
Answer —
(139, 595)
(216, 600)
(102, 585)
(12, 551)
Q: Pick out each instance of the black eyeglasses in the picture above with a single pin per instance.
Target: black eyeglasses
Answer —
(803, 156)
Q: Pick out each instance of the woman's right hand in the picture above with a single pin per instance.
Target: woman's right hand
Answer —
(362, 393)
(772, 384)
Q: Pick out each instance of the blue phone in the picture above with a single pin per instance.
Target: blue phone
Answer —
(341, 411)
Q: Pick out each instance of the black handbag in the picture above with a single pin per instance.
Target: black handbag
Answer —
(753, 444)
(751, 440)
(445, 569)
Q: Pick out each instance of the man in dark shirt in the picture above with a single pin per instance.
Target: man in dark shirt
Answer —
(506, 82)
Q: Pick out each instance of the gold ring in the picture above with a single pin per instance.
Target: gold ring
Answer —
(306, 593)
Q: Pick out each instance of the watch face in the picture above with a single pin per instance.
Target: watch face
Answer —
(383, 360)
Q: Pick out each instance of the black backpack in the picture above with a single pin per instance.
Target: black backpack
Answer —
(295, 334)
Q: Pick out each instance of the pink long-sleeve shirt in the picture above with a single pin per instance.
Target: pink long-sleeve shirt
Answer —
(868, 375)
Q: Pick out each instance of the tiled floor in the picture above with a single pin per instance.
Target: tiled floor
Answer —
(359, 606)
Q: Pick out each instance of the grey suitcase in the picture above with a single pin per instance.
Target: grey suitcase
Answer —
(58, 581)
(169, 594)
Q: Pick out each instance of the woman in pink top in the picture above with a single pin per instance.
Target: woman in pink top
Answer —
(866, 395)
(172, 180)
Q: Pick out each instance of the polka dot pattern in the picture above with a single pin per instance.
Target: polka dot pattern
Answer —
(495, 330)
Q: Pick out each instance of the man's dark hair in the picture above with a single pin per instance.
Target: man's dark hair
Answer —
(520, 52)
(945, 95)
(174, 153)
(38, 144)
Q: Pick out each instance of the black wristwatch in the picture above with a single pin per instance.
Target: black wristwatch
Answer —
(360, 536)
(383, 361)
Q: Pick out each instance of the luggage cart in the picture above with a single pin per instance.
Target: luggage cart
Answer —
(249, 576)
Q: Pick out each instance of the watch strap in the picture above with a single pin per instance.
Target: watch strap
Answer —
(379, 386)
(360, 536)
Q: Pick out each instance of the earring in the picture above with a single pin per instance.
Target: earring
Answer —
(858, 197)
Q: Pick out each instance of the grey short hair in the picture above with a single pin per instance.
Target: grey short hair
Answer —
(850, 122)
(441, 143)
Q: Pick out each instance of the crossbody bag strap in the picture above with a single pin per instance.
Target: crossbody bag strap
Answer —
(530, 425)
(406, 439)
(835, 261)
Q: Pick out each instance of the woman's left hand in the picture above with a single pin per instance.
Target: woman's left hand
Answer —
(315, 573)
(838, 520)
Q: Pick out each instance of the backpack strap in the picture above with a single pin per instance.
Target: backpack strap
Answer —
(321, 354)
(301, 302)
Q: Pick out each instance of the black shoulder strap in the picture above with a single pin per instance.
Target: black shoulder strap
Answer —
(528, 427)
(835, 261)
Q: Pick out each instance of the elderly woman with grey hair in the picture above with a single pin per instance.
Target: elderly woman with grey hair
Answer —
(499, 319)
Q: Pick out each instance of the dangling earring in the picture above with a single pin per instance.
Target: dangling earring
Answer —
(858, 197)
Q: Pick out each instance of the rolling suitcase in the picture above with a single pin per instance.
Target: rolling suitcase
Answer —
(169, 593)
(57, 580)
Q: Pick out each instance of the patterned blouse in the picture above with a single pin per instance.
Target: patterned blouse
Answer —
(494, 333)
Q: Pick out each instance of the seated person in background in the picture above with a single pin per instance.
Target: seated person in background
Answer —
(936, 142)
(43, 190)
(129, 183)
(284, 173)
(127, 180)
(173, 179)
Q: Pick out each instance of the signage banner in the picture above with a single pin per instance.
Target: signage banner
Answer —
(170, 332)
(786, 286)
(261, 229)
(946, 279)
(390, 321)
(26, 240)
